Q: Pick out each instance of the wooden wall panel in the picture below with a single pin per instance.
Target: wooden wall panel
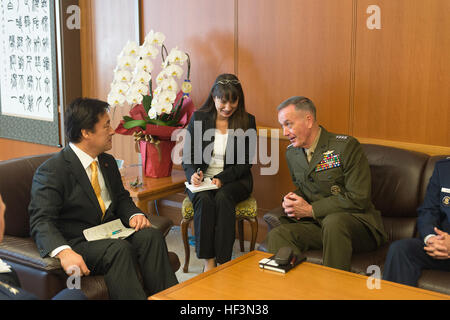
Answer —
(296, 47)
(105, 29)
(402, 76)
(203, 28)
(270, 189)
(106, 26)
(15, 149)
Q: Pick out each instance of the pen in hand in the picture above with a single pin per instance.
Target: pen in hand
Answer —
(197, 178)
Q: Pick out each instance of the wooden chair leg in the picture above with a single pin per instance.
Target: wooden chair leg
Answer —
(241, 234)
(187, 249)
(254, 226)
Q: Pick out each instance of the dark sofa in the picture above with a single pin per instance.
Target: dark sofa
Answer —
(42, 276)
(399, 181)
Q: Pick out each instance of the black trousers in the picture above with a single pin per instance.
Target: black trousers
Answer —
(118, 259)
(406, 259)
(215, 220)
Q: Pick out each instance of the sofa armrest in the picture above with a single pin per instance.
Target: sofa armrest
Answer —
(162, 223)
(24, 251)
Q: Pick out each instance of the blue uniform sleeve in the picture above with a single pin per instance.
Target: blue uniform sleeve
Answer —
(429, 213)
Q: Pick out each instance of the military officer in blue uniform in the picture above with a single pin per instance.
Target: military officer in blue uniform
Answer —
(9, 282)
(331, 208)
(407, 258)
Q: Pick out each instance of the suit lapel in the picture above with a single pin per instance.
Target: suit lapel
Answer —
(322, 146)
(301, 160)
(74, 166)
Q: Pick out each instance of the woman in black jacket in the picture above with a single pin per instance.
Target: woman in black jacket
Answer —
(220, 144)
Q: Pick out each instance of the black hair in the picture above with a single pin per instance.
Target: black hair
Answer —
(227, 87)
(82, 113)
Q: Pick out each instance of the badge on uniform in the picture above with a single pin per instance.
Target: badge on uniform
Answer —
(335, 190)
(446, 200)
(329, 160)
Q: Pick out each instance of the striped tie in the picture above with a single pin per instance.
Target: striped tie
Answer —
(96, 186)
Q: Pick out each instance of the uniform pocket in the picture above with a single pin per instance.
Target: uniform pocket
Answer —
(331, 175)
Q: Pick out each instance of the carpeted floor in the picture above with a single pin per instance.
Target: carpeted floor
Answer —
(175, 244)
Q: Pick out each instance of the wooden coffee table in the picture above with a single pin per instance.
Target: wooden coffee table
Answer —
(152, 189)
(242, 279)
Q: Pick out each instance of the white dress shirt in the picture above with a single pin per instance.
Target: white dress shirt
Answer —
(86, 161)
(218, 158)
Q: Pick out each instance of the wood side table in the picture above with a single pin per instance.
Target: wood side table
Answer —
(151, 189)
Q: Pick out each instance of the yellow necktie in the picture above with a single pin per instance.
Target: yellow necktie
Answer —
(96, 186)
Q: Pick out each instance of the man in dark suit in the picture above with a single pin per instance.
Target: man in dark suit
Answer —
(81, 187)
(407, 258)
(10, 288)
(331, 208)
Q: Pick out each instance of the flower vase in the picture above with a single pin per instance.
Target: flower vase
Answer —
(157, 158)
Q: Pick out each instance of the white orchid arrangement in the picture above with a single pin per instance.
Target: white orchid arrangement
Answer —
(133, 85)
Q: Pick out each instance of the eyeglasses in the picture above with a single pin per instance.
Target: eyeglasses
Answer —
(227, 81)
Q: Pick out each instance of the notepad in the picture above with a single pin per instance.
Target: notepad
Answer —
(205, 185)
(110, 230)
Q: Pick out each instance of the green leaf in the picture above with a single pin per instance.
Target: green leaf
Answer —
(147, 103)
(127, 118)
(135, 123)
(157, 122)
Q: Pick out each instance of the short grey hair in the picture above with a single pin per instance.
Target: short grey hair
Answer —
(300, 103)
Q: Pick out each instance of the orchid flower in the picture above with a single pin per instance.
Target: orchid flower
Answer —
(134, 98)
(177, 56)
(126, 62)
(169, 84)
(142, 77)
(148, 51)
(155, 38)
(152, 113)
(119, 88)
(116, 100)
(145, 65)
(139, 87)
(122, 75)
(174, 71)
(161, 77)
(130, 49)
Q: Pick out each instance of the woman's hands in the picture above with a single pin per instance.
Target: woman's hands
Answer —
(197, 178)
(217, 182)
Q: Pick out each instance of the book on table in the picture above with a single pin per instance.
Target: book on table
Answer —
(270, 264)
